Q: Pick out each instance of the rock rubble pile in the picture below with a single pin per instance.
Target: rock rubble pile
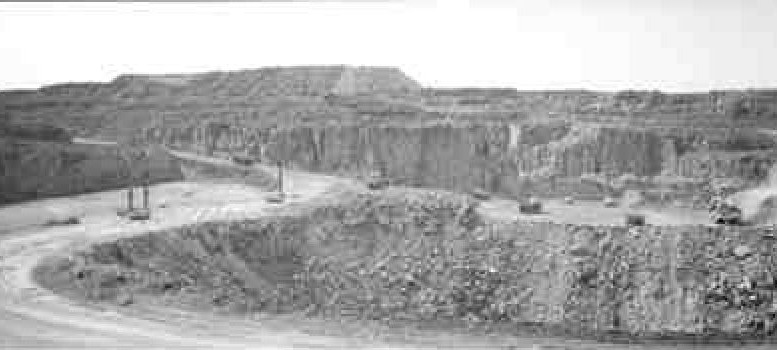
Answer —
(425, 256)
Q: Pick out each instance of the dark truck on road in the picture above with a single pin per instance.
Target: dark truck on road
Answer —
(243, 160)
(725, 213)
(530, 206)
(376, 180)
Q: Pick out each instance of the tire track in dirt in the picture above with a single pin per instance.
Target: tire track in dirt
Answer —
(24, 307)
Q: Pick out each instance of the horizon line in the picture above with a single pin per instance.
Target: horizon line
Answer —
(422, 86)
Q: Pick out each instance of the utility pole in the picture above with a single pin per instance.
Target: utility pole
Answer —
(129, 161)
(145, 195)
(130, 201)
(280, 177)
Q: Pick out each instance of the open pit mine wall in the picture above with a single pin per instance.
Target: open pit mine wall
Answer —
(752, 165)
(666, 279)
(411, 256)
(34, 170)
(502, 158)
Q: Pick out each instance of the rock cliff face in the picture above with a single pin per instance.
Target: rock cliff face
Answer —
(309, 115)
(672, 279)
(508, 158)
(34, 169)
(748, 165)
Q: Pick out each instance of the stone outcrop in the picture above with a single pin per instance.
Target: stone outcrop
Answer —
(346, 119)
(34, 170)
(684, 280)
(510, 159)
(39, 132)
(748, 165)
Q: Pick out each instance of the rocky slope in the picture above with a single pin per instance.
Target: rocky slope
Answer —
(420, 256)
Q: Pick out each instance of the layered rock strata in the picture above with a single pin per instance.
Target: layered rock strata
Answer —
(34, 170)
(510, 159)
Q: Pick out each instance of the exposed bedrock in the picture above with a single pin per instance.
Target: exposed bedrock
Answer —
(32, 169)
(504, 158)
(426, 256)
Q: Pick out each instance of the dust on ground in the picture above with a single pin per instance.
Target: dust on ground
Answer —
(594, 213)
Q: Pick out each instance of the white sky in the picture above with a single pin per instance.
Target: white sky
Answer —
(541, 44)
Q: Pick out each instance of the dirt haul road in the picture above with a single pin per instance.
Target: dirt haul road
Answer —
(32, 317)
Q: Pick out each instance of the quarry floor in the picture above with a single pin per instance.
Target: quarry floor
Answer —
(31, 316)
(595, 213)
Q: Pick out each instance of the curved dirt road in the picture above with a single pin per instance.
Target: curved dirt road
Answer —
(34, 317)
